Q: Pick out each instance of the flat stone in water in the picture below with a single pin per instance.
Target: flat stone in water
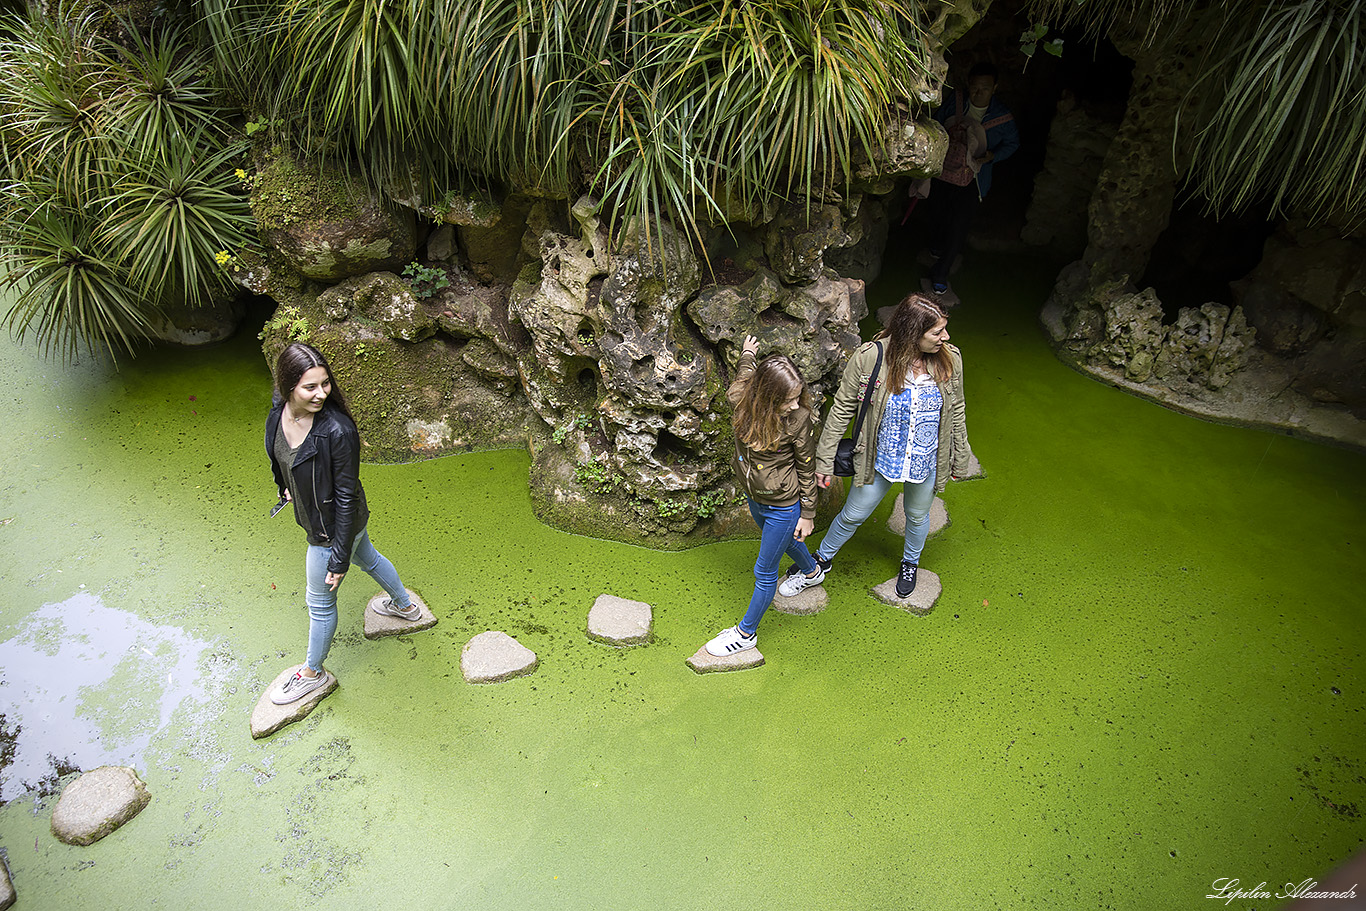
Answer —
(928, 588)
(97, 803)
(939, 517)
(7, 893)
(811, 600)
(377, 626)
(619, 621)
(704, 662)
(493, 657)
(267, 717)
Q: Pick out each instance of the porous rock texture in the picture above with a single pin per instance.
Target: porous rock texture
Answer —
(494, 657)
(97, 803)
(619, 621)
(808, 601)
(267, 717)
(704, 662)
(920, 602)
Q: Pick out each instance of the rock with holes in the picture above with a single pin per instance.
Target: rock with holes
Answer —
(494, 657)
(939, 517)
(378, 625)
(619, 621)
(704, 662)
(920, 602)
(808, 601)
(97, 803)
(267, 717)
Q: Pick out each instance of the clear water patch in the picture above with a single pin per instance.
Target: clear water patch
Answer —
(83, 685)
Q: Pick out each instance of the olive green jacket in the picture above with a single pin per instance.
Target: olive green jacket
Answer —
(953, 428)
(781, 476)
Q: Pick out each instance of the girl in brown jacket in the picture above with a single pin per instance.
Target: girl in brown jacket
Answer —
(775, 465)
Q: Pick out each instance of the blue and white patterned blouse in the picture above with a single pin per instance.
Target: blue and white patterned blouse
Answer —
(908, 440)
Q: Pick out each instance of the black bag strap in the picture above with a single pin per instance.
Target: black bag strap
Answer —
(867, 393)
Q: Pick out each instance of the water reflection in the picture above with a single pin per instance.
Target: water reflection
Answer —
(84, 685)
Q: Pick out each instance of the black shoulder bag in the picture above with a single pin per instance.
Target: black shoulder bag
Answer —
(844, 453)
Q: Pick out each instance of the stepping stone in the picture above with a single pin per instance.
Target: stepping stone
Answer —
(939, 517)
(493, 657)
(97, 803)
(947, 301)
(267, 717)
(7, 894)
(618, 621)
(704, 662)
(808, 601)
(928, 588)
(377, 626)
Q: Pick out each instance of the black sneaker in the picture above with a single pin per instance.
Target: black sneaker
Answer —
(823, 564)
(905, 580)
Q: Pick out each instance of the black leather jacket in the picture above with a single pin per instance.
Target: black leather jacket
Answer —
(326, 480)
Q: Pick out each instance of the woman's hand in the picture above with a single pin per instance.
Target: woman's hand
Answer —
(287, 497)
(804, 527)
(751, 346)
(824, 480)
(334, 580)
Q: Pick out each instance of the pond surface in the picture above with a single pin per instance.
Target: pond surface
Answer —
(1145, 673)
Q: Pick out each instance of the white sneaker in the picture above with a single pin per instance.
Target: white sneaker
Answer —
(799, 581)
(298, 686)
(730, 641)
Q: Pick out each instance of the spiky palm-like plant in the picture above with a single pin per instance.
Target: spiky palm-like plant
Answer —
(1277, 114)
(654, 105)
(118, 183)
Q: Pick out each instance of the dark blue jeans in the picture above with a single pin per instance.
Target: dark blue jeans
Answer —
(776, 525)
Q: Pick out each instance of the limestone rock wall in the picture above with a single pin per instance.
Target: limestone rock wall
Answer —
(1077, 145)
(521, 322)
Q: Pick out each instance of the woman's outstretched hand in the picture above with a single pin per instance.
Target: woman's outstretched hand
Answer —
(804, 528)
(824, 480)
(751, 345)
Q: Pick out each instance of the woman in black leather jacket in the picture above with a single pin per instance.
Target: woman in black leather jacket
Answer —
(314, 452)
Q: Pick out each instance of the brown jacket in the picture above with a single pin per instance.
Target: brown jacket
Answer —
(781, 476)
(953, 427)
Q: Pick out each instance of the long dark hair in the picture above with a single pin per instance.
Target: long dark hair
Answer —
(759, 418)
(913, 317)
(296, 360)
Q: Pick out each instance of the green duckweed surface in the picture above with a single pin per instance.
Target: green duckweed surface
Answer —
(1145, 673)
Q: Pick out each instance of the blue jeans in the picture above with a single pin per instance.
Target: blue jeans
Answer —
(322, 603)
(776, 525)
(860, 505)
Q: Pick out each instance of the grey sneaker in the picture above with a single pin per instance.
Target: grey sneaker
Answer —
(411, 612)
(299, 686)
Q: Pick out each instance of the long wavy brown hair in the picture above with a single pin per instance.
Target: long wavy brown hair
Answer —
(913, 317)
(759, 416)
(296, 360)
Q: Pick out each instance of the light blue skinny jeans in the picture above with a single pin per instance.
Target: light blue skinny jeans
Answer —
(776, 525)
(860, 505)
(322, 603)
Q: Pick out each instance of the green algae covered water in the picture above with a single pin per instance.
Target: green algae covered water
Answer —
(1145, 673)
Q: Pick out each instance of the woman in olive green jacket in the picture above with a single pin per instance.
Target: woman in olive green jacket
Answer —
(915, 432)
